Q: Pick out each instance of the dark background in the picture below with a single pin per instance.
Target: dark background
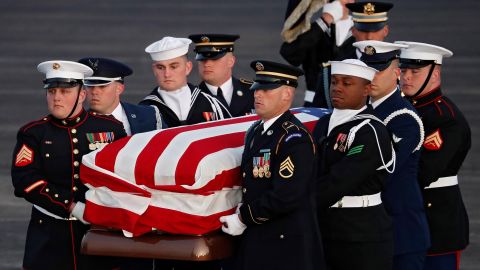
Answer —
(35, 31)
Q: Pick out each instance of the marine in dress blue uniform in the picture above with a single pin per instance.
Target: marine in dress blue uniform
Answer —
(45, 171)
(355, 159)
(277, 220)
(447, 142)
(313, 49)
(109, 77)
(214, 54)
(402, 196)
(179, 103)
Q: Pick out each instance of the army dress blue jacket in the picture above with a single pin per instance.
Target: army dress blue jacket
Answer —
(242, 97)
(278, 200)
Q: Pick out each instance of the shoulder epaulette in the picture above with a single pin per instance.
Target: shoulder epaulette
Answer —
(43, 120)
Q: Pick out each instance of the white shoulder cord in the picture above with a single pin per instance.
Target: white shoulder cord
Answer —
(416, 117)
(351, 137)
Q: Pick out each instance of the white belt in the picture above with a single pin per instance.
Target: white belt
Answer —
(444, 182)
(358, 201)
(51, 214)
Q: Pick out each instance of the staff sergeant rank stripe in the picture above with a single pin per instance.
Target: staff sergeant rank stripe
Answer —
(286, 168)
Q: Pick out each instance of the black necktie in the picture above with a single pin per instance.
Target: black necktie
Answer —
(221, 98)
(257, 134)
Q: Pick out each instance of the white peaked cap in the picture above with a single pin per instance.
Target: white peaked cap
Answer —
(64, 69)
(168, 48)
(424, 51)
(379, 46)
(353, 67)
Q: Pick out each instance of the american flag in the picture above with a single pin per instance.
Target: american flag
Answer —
(177, 180)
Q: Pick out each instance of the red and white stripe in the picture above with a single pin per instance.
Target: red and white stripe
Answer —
(178, 180)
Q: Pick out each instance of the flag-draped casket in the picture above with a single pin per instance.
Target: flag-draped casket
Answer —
(177, 180)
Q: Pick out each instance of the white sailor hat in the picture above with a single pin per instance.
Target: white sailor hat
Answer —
(421, 54)
(168, 48)
(353, 67)
(64, 74)
(379, 54)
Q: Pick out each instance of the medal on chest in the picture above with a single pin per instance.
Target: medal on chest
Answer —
(99, 140)
(261, 165)
(340, 143)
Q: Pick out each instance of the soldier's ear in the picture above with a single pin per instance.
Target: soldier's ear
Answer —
(82, 95)
(188, 67)
(231, 61)
(120, 88)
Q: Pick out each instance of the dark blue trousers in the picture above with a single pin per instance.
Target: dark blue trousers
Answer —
(449, 261)
(409, 261)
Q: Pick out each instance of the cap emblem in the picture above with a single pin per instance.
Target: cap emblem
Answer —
(369, 9)
(204, 39)
(259, 66)
(369, 50)
(93, 63)
(56, 66)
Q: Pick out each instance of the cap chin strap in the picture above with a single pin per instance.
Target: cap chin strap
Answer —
(76, 103)
(432, 67)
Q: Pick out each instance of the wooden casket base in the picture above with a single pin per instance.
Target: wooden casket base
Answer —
(105, 242)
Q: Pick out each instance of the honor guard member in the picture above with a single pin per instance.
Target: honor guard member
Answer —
(46, 164)
(402, 196)
(330, 38)
(447, 142)
(355, 159)
(179, 102)
(214, 55)
(104, 88)
(277, 220)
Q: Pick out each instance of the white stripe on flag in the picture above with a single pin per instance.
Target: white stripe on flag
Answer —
(125, 162)
(167, 162)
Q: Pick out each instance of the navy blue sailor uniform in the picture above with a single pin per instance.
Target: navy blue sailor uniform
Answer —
(45, 171)
(242, 98)
(352, 169)
(203, 108)
(447, 142)
(402, 196)
(278, 167)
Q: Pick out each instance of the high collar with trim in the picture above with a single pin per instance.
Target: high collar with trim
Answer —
(72, 121)
(427, 98)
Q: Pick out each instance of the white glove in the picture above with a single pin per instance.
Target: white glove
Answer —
(232, 225)
(78, 211)
(335, 9)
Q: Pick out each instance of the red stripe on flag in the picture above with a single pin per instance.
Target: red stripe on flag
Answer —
(114, 218)
(171, 221)
(99, 179)
(106, 157)
(188, 163)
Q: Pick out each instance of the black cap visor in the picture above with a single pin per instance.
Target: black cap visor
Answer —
(414, 63)
(369, 27)
(202, 56)
(60, 83)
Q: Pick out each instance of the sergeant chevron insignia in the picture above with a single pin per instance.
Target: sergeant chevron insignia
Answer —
(24, 156)
(433, 141)
(286, 168)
